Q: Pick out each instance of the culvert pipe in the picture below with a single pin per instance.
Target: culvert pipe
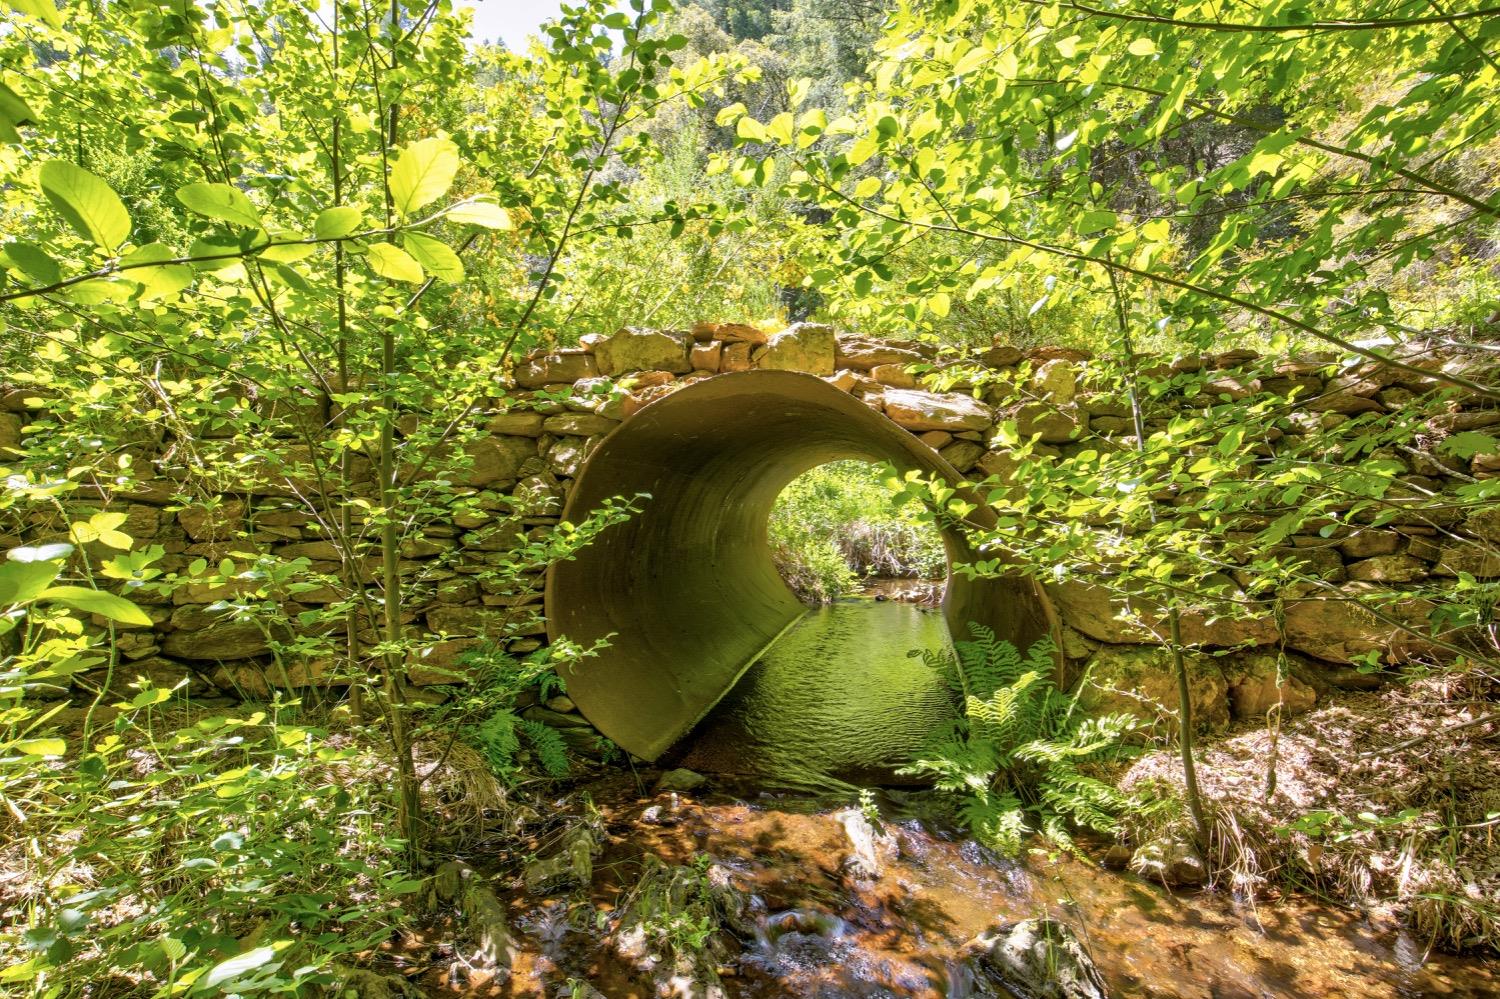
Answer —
(686, 593)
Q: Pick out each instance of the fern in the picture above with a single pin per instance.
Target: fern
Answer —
(1016, 758)
(551, 751)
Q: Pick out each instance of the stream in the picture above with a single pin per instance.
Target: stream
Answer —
(838, 700)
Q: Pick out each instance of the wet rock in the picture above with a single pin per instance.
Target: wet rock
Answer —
(1036, 958)
(572, 866)
(1117, 857)
(668, 897)
(870, 849)
(1172, 861)
(486, 924)
(680, 780)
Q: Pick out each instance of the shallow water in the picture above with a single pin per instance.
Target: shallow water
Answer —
(836, 699)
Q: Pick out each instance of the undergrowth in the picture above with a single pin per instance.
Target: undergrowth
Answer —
(1019, 758)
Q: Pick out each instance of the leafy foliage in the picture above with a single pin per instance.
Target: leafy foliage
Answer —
(1018, 759)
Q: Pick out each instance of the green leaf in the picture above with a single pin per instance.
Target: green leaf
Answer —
(87, 203)
(434, 256)
(227, 971)
(939, 304)
(40, 747)
(42, 10)
(40, 553)
(1142, 47)
(480, 213)
(23, 582)
(222, 202)
(157, 282)
(104, 604)
(13, 112)
(422, 174)
(392, 262)
(336, 222)
(971, 60)
(1467, 443)
(33, 262)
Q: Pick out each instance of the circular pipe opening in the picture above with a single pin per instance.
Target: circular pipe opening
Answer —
(686, 593)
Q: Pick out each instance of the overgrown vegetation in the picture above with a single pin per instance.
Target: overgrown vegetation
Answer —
(1023, 757)
(841, 522)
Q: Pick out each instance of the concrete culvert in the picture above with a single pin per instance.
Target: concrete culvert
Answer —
(687, 592)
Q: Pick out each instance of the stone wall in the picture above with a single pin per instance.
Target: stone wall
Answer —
(522, 465)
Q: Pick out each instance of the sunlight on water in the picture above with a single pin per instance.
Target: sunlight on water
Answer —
(836, 699)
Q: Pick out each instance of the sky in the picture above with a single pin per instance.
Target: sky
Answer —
(509, 21)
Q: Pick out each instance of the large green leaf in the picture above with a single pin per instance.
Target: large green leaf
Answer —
(39, 747)
(88, 203)
(434, 256)
(336, 222)
(241, 964)
(23, 582)
(222, 202)
(480, 213)
(43, 10)
(13, 112)
(423, 173)
(33, 262)
(393, 262)
(97, 602)
(157, 282)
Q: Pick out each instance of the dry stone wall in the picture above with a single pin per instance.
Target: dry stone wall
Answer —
(462, 590)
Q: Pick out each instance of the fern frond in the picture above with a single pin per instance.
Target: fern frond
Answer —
(551, 750)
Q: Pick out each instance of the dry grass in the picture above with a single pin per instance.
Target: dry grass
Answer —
(1408, 804)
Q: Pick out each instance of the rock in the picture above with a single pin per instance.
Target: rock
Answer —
(555, 368)
(485, 921)
(1337, 629)
(1484, 523)
(1369, 542)
(1001, 356)
(950, 411)
(864, 354)
(1056, 381)
(1097, 612)
(519, 423)
(579, 424)
(1036, 958)
(894, 375)
(493, 459)
(936, 439)
(215, 523)
(1141, 681)
(1172, 861)
(572, 866)
(736, 357)
(705, 356)
(561, 703)
(566, 457)
(729, 333)
(807, 347)
(538, 495)
(962, 455)
(998, 463)
(1117, 857)
(870, 849)
(1254, 691)
(10, 431)
(680, 780)
(201, 636)
(1388, 569)
(1345, 403)
(362, 983)
(1478, 560)
(633, 349)
(1046, 422)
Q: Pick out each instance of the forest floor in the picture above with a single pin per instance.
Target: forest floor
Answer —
(1388, 800)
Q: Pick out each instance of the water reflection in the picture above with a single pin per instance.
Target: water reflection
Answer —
(837, 699)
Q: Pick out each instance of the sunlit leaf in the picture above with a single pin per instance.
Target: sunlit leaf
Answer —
(87, 203)
(423, 173)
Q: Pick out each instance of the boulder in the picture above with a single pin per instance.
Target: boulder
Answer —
(705, 356)
(1370, 542)
(633, 349)
(680, 780)
(864, 354)
(729, 333)
(736, 357)
(201, 636)
(1140, 681)
(894, 375)
(1388, 569)
(493, 459)
(1477, 559)
(215, 523)
(962, 455)
(1172, 861)
(1254, 689)
(949, 411)
(1046, 422)
(572, 866)
(566, 456)
(1055, 381)
(1037, 958)
(555, 368)
(1100, 614)
(1001, 355)
(1338, 629)
(1484, 523)
(518, 423)
(807, 347)
(579, 424)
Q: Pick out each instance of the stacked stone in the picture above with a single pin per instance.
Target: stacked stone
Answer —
(521, 465)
